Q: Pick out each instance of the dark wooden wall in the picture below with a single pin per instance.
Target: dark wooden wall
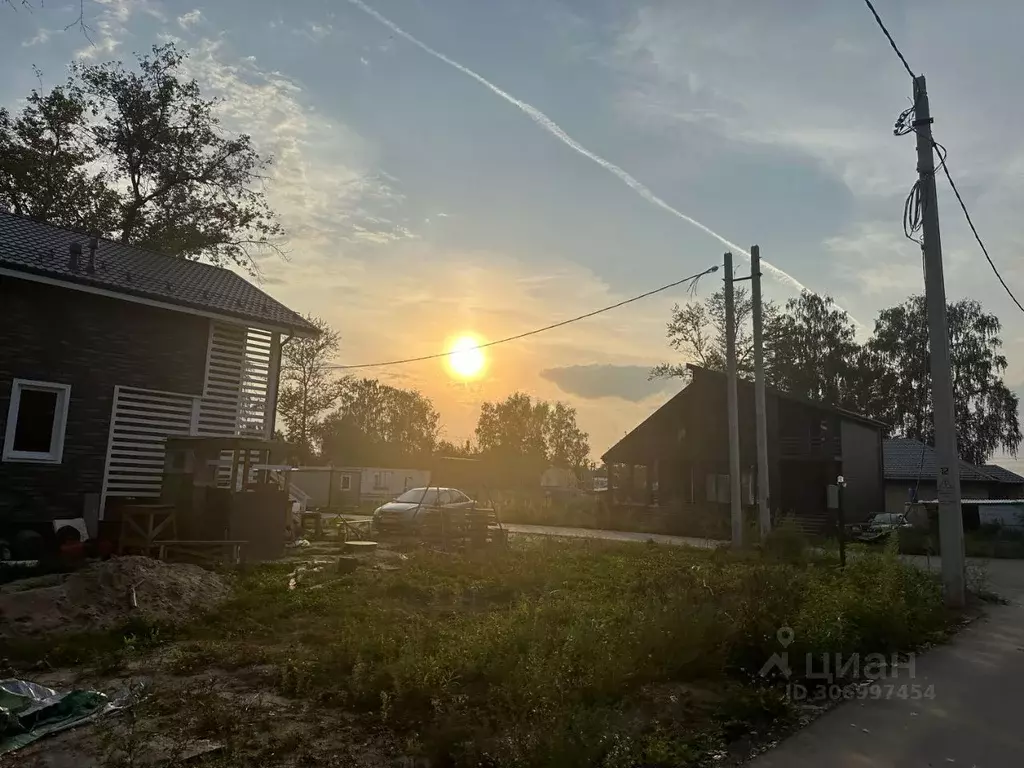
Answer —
(92, 343)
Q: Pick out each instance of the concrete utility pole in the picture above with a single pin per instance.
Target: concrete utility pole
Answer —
(735, 503)
(764, 515)
(951, 531)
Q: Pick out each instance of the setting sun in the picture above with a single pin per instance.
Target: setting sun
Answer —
(465, 359)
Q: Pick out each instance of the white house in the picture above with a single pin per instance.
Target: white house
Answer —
(384, 483)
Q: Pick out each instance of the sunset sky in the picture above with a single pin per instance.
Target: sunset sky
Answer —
(423, 204)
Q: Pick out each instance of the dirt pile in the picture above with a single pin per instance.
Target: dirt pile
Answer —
(99, 597)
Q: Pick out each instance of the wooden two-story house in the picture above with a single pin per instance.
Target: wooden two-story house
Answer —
(678, 458)
(106, 350)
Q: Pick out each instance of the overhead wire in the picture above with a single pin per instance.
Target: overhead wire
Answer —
(977, 236)
(692, 279)
(913, 208)
(881, 25)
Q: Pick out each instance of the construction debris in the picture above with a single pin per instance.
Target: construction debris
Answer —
(29, 711)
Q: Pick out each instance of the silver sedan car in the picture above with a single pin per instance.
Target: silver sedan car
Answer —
(410, 505)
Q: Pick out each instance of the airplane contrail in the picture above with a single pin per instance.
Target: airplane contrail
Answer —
(555, 130)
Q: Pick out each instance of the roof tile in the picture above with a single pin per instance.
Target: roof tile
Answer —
(907, 459)
(44, 249)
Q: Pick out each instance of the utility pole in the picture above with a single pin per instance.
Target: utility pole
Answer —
(951, 531)
(764, 515)
(735, 503)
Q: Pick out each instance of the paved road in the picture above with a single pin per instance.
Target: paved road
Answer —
(973, 719)
(592, 533)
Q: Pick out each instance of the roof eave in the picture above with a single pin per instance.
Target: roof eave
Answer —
(305, 330)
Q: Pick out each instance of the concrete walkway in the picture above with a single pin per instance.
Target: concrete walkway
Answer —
(974, 719)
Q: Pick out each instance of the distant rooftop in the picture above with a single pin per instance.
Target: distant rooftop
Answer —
(907, 459)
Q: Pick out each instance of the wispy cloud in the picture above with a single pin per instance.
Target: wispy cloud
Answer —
(748, 76)
(322, 182)
(190, 19)
(314, 31)
(110, 27)
(555, 130)
(41, 37)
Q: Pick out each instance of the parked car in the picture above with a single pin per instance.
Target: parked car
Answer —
(406, 508)
(878, 527)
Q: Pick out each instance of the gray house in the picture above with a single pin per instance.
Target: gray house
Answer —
(678, 458)
(911, 467)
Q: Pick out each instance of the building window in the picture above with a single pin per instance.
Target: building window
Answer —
(381, 481)
(346, 482)
(36, 418)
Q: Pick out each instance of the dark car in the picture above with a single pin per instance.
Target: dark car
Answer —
(411, 505)
(879, 527)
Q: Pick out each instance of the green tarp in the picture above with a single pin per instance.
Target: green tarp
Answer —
(29, 711)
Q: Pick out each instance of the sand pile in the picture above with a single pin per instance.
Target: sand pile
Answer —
(98, 597)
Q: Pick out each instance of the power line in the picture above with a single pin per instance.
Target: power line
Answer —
(881, 25)
(970, 223)
(534, 332)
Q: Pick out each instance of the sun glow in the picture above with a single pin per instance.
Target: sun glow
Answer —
(465, 358)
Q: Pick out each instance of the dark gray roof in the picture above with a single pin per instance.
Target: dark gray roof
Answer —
(1002, 474)
(907, 459)
(43, 249)
(674, 403)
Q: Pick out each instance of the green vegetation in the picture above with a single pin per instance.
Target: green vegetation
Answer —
(552, 654)
(562, 654)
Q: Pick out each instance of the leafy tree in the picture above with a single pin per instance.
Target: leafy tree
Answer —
(567, 445)
(513, 427)
(48, 164)
(458, 450)
(529, 435)
(811, 351)
(379, 424)
(985, 408)
(697, 330)
(808, 347)
(138, 156)
(308, 387)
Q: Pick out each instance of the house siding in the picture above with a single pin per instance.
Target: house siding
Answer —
(864, 494)
(686, 444)
(897, 492)
(91, 343)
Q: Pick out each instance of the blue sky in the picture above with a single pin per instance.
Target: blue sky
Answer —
(420, 204)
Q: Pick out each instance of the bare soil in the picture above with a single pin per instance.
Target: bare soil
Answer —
(99, 597)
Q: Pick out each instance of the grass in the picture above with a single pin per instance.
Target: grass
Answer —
(555, 653)
(552, 653)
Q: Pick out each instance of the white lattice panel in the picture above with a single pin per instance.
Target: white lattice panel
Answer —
(140, 422)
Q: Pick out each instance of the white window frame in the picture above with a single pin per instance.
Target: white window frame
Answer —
(346, 482)
(60, 420)
(382, 481)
